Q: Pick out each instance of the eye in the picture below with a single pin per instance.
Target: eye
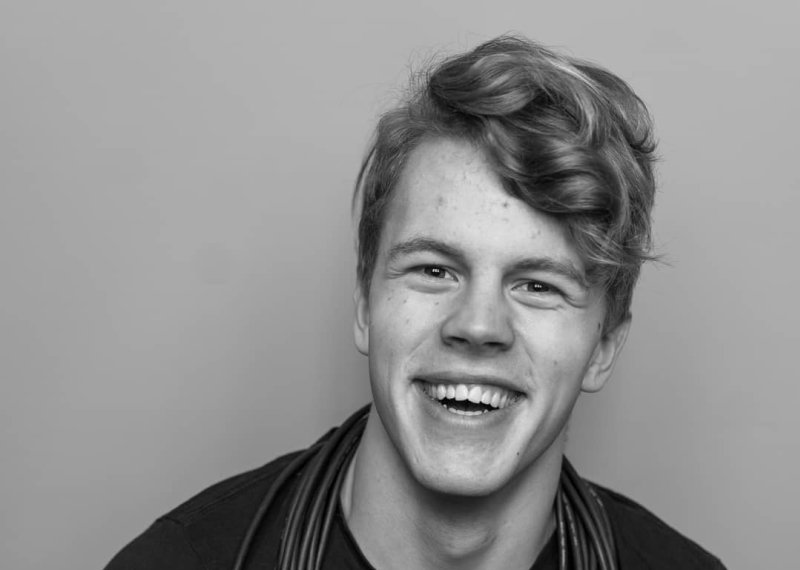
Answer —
(436, 272)
(538, 287)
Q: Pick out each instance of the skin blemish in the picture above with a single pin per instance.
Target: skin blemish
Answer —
(505, 204)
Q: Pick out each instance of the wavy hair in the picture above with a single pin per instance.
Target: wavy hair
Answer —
(565, 136)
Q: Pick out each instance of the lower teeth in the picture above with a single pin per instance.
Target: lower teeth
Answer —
(465, 412)
(462, 411)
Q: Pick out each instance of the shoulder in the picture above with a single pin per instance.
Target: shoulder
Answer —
(645, 541)
(205, 531)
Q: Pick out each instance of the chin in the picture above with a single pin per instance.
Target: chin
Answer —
(461, 485)
(476, 469)
(462, 472)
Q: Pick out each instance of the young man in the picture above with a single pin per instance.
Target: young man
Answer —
(504, 215)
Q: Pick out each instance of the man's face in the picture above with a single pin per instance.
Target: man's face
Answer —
(479, 328)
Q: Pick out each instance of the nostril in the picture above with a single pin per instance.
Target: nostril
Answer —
(477, 344)
(479, 318)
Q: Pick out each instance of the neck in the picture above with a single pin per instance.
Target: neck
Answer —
(398, 523)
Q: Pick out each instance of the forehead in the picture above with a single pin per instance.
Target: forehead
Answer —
(449, 191)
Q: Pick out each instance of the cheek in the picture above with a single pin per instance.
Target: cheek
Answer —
(389, 335)
(404, 328)
(556, 351)
(400, 313)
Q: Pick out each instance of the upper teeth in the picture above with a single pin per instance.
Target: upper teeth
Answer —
(493, 396)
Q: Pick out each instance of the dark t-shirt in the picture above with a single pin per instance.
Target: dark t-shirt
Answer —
(205, 532)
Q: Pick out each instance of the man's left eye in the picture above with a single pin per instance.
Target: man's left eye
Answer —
(537, 287)
(436, 272)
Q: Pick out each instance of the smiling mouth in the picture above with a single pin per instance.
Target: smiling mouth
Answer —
(470, 399)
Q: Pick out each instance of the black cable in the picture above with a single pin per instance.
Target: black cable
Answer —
(291, 529)
(329, 495)
(290, 470)
(297, 521)
(573, 537)
(561, 530)
(591, 559)
(580, 512)
(593, 514)
(588, 498)
(606, 523)
(290, 556)
(585, 537)
(326, 523)
(582, 518)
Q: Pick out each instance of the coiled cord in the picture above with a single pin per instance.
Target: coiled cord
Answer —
(585, 538)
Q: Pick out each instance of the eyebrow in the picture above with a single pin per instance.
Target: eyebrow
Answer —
(421, 244)
(563, 268)
(560, 267)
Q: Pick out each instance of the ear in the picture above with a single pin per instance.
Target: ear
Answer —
(361, 320)
(604, 357)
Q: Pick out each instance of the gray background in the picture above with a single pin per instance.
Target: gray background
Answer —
(177, 259)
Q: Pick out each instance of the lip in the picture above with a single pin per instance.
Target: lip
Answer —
(453, 377)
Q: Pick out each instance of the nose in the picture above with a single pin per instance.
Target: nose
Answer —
(479, 321)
